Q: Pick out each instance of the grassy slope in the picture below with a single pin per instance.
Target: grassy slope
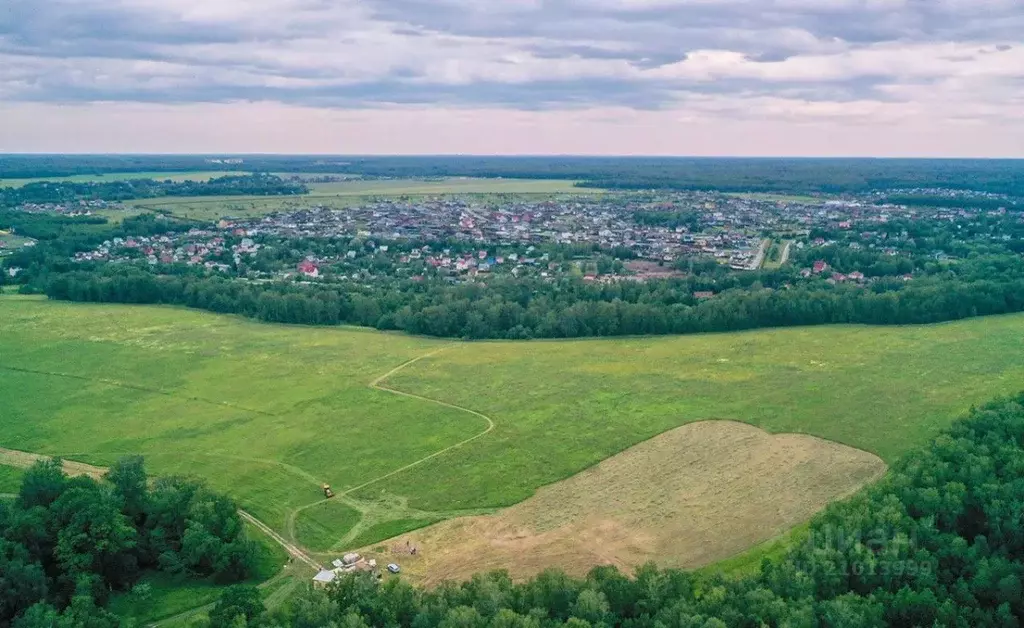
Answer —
(267, 412)
(262, 411)
(563, 406)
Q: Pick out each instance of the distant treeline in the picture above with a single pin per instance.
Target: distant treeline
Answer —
(938, 542)
(70, 192)
(514, 309)
(67, 543)
(632, 173)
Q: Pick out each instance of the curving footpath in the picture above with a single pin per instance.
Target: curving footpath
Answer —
(22, 459)
(377, 385)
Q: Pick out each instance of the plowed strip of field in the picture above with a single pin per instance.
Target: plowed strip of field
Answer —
(24, 460)
(687, 498)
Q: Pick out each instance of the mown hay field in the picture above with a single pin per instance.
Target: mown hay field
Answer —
(269, 412)
(692, 496)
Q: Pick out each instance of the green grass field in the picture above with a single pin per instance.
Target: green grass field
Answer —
(456, 185)
(268, 412)
(10, 242)
(779, 198)
(345, 194)
(10, 480)
(124, 176)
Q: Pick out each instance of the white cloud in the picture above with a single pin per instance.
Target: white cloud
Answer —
(771, 62)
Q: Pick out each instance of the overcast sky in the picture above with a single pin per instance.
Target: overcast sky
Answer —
(655, 77)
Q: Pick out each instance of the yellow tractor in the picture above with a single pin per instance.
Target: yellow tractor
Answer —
(328, 493)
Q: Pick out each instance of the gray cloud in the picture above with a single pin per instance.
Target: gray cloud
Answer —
(640, 54)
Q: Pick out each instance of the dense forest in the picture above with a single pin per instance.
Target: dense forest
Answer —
(938, 542)
(682, 173)
(67, 543)
(515, 309)
(68, 192)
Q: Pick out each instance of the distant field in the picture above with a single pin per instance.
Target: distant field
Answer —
(349, 193)
(269, 412)
(692, 496)
(781, 198)
(421, 187)
(124, 176)
(10, 243)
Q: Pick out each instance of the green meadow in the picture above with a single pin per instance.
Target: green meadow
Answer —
(10, 480)
(269, 412)
(344, 194)
(124, 176)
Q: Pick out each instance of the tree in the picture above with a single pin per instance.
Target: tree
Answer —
(94, 537)
(22, 581)
(43, 483)
(238, 601)
(128, 475)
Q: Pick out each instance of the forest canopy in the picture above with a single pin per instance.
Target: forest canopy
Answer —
(68, 543)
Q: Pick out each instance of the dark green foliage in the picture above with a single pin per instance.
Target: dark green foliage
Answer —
(726, 174)
(42, 484)
(67, 192)
(67, 543)
(238, 601)
(60, 237)
(22, 581)
(128, 477)
(514, 309)
(938, 542)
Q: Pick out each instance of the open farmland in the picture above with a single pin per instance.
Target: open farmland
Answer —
(343, 194)
(456, 185)
(409, 431)
(10, 242)
(689, 497)
(125, 176)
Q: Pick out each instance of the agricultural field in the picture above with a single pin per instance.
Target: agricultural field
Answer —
(686, 498)
(412, 431)
(779, 198)
(124, 176)
(344, 194)
(10, 242)
(458, 185)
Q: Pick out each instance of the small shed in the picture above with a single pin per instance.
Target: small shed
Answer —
(351, 558)
(324, 578)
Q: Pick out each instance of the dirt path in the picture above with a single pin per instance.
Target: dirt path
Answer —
(785, 253)
(377, 384)
(292, 549)
(24, 460)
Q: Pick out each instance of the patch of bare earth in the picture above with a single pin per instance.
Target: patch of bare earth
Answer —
(24, 460)
(687, 498)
